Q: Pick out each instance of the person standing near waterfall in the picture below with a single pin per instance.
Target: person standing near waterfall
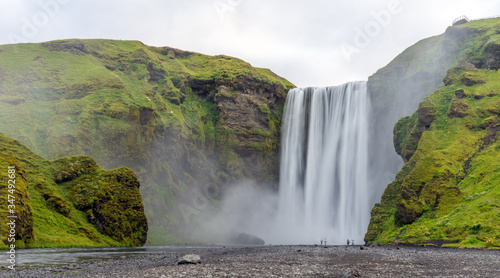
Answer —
(348, 242)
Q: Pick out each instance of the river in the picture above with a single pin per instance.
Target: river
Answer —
(50, 257)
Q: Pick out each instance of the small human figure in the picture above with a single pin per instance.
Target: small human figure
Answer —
(489, 67)
(348, 242)
(352, 240)
(325, 241)
(321, 240)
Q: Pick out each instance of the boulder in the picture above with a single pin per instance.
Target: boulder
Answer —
(492, 51)
(460, 94)
(459, 108)
(244, 238)
(426, 113)
(471, 78)
(466, 65)
(190, 259)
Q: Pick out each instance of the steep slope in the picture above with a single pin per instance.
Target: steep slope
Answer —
(188, 124)
(449, 187)
(397, 89)
(68, 202)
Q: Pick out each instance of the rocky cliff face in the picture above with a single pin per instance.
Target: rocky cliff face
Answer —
(446, 190)
(188, 124)
(69, 202)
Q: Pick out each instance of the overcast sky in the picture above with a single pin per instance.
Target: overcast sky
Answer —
(311, 43)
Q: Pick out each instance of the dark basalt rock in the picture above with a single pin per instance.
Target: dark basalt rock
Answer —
(459, 94)
(492, 51)
(244, 238)
(426, 113)
(459, 108)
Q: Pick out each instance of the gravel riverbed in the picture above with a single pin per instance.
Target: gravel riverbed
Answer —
(290, 261)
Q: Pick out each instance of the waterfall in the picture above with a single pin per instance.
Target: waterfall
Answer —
(324, 191)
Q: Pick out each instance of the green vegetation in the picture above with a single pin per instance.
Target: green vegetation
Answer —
(449, 188)
(70, 202)
(182, 121)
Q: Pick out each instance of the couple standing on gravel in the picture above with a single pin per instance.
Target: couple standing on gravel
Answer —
(352, 242)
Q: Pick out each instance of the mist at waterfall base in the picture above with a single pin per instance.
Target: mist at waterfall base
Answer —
(324, 190)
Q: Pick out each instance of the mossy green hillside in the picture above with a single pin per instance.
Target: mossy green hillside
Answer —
(397, 89)
(449, 187)
(182, 121)
(15, 202)
(70, 202)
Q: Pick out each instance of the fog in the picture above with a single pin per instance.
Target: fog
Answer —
(249, 208)
(246, 208)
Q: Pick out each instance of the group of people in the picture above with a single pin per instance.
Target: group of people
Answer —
(323, 241)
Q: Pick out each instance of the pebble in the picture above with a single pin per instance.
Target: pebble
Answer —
(285, 261)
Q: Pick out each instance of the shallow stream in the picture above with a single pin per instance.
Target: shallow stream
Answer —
(48, 257)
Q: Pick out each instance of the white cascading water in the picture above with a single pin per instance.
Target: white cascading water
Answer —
(324, 155)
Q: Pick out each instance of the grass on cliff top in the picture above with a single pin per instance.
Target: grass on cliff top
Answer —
(453, 152)
(224, 68)
(51, 80)
(485, 33)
